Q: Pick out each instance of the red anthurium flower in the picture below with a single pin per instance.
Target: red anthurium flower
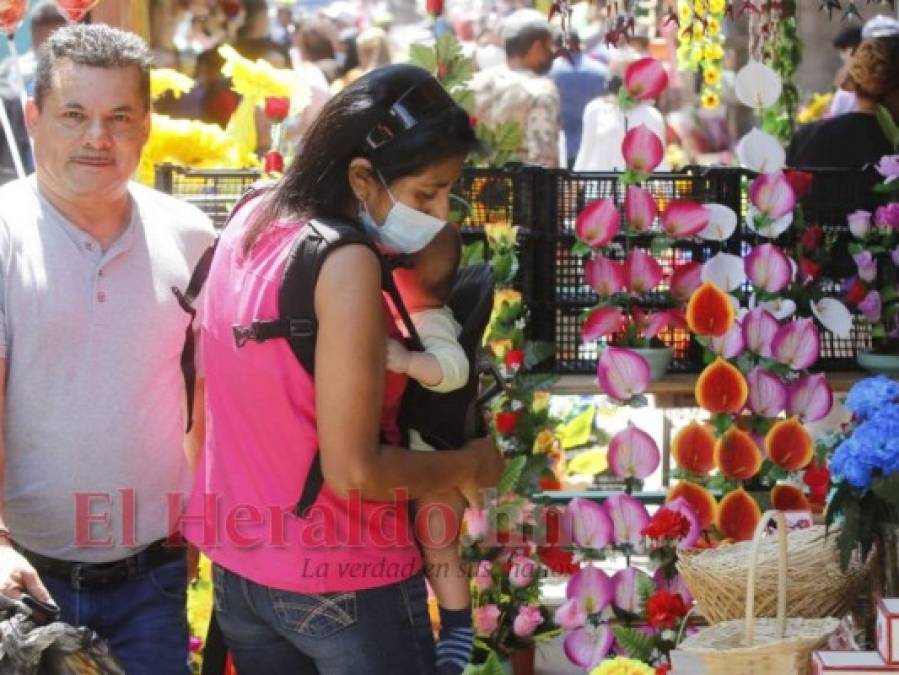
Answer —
(277, 108)
(11, 14)
(75, 10)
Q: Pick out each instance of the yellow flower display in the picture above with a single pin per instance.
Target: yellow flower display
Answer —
(815, 109)
(700, 43)
(710, 100)
(684, 11)
(622, 666)
(711, 76)
(712, 51)
(501, 235)
(717, 6)
(699, 7)
(713, 29)
(164, 80)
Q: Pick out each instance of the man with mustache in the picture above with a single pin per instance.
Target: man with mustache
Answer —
(94, 408)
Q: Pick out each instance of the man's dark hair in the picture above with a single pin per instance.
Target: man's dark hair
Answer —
(522, 29)
(94, 45)
(848, 38)
(46, 15)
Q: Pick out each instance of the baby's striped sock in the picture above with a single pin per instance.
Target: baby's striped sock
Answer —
(455, 642)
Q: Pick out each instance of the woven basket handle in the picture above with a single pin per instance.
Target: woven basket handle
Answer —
(780, 626)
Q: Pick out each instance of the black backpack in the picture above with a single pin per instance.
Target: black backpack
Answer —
(445, 421)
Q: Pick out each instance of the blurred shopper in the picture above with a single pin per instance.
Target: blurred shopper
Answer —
(846, 42)
(520, 91)
(254, 40)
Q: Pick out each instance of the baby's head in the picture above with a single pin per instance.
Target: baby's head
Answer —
(429, 281)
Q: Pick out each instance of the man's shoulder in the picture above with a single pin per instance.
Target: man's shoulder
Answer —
(18, 200)
(181, 216)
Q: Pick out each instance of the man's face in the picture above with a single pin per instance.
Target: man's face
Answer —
(91, 129)
(543, 53)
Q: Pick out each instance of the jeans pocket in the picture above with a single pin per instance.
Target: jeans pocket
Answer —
(170, 580)
(218, 588)
(314, 615)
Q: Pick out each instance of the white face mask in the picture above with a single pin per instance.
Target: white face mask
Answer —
(405, 230)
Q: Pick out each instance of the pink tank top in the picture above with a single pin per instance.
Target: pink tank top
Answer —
(261, 440)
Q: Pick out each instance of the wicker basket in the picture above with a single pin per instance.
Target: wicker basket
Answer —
(816, 587)
(756, 646)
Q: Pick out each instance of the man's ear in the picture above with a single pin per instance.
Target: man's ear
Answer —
(32, 115)
(362, 178)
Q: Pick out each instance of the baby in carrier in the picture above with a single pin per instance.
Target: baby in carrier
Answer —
(443, 367)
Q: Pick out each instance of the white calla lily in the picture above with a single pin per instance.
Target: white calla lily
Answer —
(773, 229)
(760, 151)
(757, 85)
(834, 316)
(722, 223)
(725, 270)
(780, 308)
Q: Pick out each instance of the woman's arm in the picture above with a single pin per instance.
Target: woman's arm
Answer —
(349, 390)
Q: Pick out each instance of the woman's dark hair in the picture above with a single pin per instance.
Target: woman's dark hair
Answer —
(316, 184)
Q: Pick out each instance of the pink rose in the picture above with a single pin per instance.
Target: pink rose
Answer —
(522, 572)
(527, 621)
(476, 524)
(486, 619)
(483, 580)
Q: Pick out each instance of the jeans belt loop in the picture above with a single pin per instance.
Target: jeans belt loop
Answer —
(75, 577)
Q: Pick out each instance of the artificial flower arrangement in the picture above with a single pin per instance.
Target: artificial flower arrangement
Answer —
(701, 43)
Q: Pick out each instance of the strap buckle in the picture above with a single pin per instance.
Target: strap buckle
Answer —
(243, 334)
(300, 328)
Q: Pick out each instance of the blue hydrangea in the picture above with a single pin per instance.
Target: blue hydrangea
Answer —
(867, 395)
(873, 448)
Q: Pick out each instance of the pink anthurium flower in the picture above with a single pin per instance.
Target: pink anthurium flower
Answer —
(645, 79)
(768, 268)
(602, 321)
(810, 397)
(629, 517)
(587, 647)
(684, 218)
(796, 344)
(622, 373)
(685, 279)
(772, 195)
(682, 506)
(639, 208)
(642, 272)
(654, 322)
(570, 614)
(633, 453)
(592, 587)
(627, 592)
(759, 329)
(598, 223)
(642, 149)
(767, 394)
(589, 524)
(527, 621)
(731, 344)
(604, 276)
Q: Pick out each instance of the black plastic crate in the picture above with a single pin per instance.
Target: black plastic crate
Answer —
(496, 195)
(213, 191)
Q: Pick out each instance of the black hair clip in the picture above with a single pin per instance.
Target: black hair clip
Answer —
(425, 98)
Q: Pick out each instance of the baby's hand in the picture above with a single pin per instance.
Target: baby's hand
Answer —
(397, 357)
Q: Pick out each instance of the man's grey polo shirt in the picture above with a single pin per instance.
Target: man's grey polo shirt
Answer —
(95, 397)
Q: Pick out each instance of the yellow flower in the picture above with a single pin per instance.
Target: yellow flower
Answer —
(717, 6)
(544, 441)
(711, 76)
(712, 51)
(713, 28)
(258, 79)
(684, 11)
(815, 109)
(699, 7)
(697, 31)
(710, 100)
(500, 347)
(540, 402)
(500, 234)
(621, 666)
(507, 296)
(163, 80)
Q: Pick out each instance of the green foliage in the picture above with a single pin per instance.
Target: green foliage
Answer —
(576, 431)
(536, 352)
(511, 475)
(784, 54)
(492, 666)
(472, 254)
(637, 644)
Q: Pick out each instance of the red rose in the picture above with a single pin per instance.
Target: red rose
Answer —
(812, 237)
(434, 7)
(277, 108)
(663, 669)
(514, 359)
(800, 181)
(856, 292)
(506, 421)
(664, 609)
(816, 475)
(667, 524)
(809, 270)
(274, 162)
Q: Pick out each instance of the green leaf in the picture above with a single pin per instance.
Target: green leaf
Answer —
(536, 352)
(424, 57)
(576, 431)
(645, 588)
(511, 474)
(580, 249)
(887, 488)
(888, 126)
(849, 536)
(472, 254)
(637, 644)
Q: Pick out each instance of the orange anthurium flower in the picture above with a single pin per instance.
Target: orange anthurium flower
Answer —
(738, 515)
(702, 501)
(693, 448)
(710, 311)
(737, 456)
(789, 498)
(721, 388)
(789, 445)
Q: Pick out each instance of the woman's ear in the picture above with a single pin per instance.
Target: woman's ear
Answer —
(362, 179)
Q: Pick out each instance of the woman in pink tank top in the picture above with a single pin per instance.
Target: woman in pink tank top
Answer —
(339, 592)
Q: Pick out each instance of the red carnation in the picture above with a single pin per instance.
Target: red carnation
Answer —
(277, 108)
(812, 237)
(856, 292)
(663, 669)
(514, 359)
(274, 162)
(817, 475)
(506, 421)
(667, 524)
(664, 609)
(809, 270)
(800, 181)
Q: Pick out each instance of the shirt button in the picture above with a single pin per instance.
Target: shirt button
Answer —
(100, 273)
(89, 246)
(101, 297)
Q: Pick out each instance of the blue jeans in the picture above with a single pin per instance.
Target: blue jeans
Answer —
(144, 620)
(378, 631)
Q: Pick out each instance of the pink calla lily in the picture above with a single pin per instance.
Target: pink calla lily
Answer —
(796, 344)
(684, 218)
(642, 150)
(589, 524)
(759, 329)
(772, 195)
(731, 344)
(685, 279)
(769, 268)
(598, 223)
(633, 453)
(639, 208)
(654, 322)
(587, 647)
(604, 276)
(767, 394)
(645, 79)
(629, 517)
(602, 321)
(570, 615)
(627, 590)
(622, 373)
(682, 506)
(642, 272)
(810, 398)
(592, 587)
